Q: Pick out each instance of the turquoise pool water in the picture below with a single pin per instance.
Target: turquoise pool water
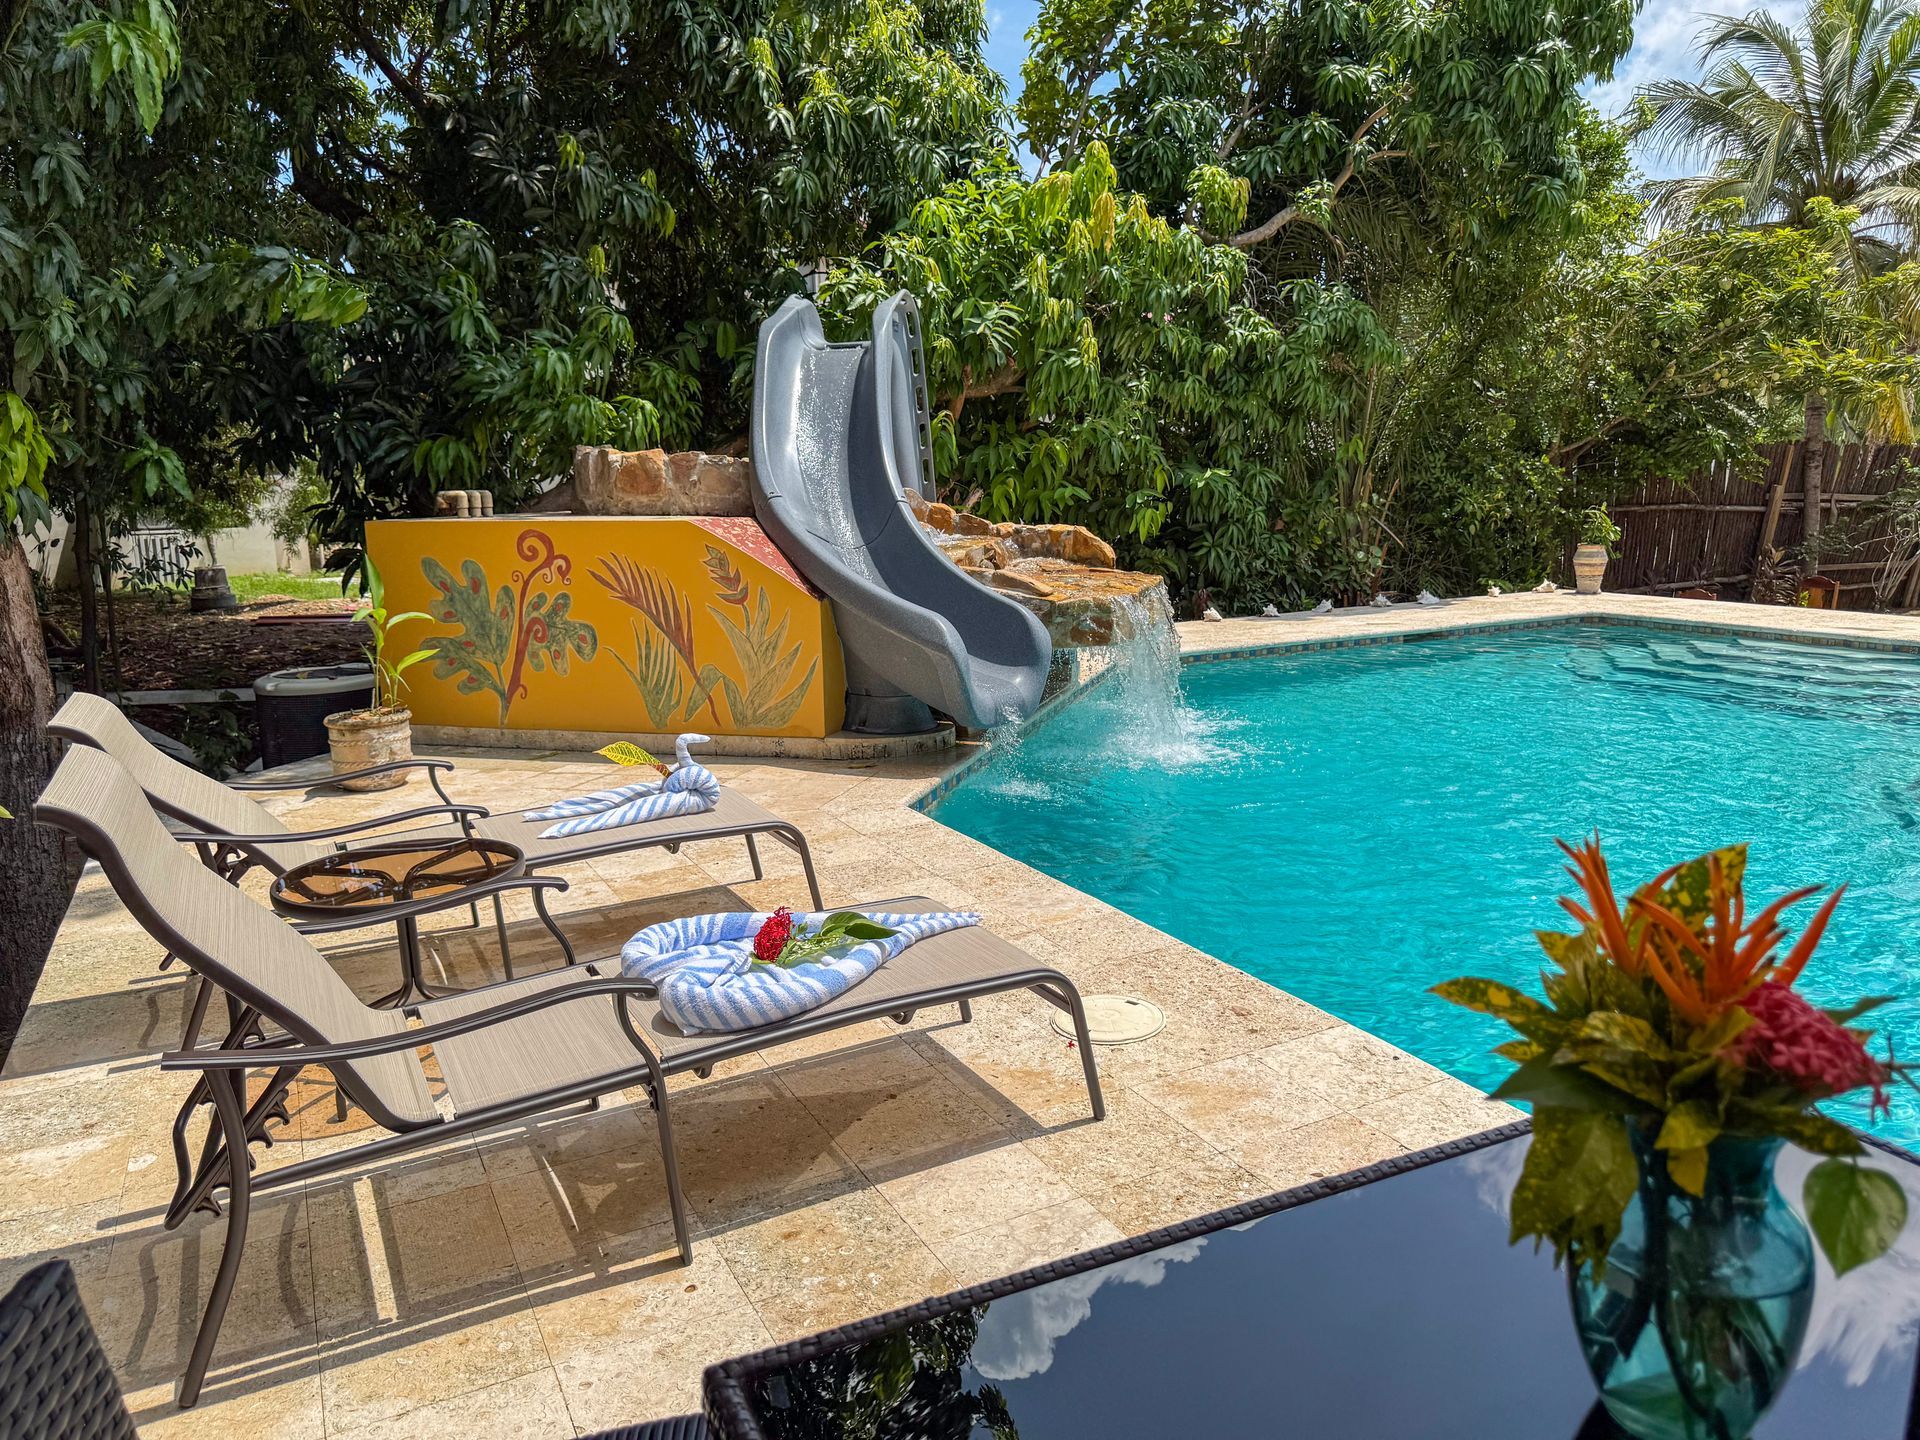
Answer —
(1354, 825)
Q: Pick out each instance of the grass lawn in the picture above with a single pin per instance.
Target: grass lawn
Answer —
(300, 587)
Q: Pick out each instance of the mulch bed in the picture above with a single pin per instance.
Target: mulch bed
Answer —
(163, 646)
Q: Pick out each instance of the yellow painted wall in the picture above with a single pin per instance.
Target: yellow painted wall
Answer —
(603, 623)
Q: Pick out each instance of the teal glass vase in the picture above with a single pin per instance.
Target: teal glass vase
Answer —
(1697, 1320)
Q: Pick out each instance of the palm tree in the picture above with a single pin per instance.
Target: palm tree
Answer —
(1784, 117)
(1830, 111)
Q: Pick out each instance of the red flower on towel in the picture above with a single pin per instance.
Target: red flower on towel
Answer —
(772, 936)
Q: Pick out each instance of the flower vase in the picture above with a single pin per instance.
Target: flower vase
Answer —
(1697, 1319)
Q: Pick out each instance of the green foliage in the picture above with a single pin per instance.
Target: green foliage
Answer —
(568, 218)
(1642, 1032)
(1597, 528)
(143, 253)
(1856, 1212)
(842, 929)
(389, 683)
(1093, 362)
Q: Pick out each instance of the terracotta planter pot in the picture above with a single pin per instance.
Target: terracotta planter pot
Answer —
(359, 738)
(1589, 564)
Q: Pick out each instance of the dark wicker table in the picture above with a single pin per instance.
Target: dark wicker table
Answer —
(369, 878)
(1383, 1304)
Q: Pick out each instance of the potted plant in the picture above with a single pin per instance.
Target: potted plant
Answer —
(357, 739)
(1597, 533)
(1670, 1060)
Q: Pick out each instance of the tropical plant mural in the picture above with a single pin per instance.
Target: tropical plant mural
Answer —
(673, 685)
(522, 627)
(766, 701)
(761, 690)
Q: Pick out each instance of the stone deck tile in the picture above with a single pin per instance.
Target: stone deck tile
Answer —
(525, 1282)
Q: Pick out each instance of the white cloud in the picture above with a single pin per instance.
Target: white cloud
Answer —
(1663, 46)
(1017, 1338)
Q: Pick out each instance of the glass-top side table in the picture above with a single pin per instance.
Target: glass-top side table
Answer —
(1379, 1304)
(389, 874)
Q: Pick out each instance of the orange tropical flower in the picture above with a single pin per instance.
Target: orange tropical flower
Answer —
(1703, 970)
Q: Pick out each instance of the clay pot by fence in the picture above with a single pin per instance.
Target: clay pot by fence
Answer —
(357, 739)
(1589, 564)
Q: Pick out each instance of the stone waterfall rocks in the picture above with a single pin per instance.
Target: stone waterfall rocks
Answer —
(1063, 573)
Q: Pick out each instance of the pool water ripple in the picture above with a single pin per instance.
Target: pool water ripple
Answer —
(1354, 825)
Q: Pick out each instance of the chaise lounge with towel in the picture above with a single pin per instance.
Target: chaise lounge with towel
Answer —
(507, 1052)
(235, 833)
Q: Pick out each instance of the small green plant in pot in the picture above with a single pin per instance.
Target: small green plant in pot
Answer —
(1671, 1059)
(1598, 534)
(360, 739)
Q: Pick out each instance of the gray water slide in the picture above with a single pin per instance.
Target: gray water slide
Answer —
(839, 431)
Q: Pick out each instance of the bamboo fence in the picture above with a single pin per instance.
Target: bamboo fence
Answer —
(1712, 529)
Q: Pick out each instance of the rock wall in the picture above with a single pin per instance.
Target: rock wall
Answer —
(653, 482)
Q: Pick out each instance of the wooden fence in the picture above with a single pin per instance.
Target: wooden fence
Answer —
(1712, 529)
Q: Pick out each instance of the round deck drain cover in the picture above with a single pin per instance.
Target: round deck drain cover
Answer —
(1114, 1019)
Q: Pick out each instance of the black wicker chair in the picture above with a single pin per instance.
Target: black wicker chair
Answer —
(680, 1427)
(55, 1383)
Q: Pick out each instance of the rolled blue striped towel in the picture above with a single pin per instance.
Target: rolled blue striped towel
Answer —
(689, 790)
(705, 971)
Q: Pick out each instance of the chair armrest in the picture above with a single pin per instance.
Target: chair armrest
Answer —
(427, 904)
(458, 812)
(432, 767)
(265, 1056)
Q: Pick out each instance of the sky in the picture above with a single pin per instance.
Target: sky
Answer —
(1662, 45)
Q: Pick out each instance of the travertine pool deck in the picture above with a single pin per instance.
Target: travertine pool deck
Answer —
(523, 1283)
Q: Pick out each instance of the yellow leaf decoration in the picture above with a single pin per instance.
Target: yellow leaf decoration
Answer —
(625, 752)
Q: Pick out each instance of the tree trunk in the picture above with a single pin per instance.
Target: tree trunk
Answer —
(38, 869)
(1813, 472)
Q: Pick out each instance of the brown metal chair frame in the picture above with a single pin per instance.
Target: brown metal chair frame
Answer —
(225, 1161)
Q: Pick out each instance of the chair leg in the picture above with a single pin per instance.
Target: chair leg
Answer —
(799, 843)
(966, 1012)
(214, 1160)
(540, 906)
(500, 929)
(182, 1160)
(753, 854)
(1079, 1013)
(197, 1016)
(227, 1095)
(657, 1083)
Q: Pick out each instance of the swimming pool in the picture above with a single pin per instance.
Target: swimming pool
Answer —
(1356, 824)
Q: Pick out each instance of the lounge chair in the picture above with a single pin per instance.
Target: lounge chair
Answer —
(234, 833)
(508, 1052)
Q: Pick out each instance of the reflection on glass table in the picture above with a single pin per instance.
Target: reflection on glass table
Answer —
(1387, 1304)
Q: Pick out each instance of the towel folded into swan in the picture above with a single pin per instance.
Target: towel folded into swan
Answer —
(704, 968)
(689, 790)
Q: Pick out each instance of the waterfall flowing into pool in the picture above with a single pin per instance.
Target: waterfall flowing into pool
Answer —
(1133, 682)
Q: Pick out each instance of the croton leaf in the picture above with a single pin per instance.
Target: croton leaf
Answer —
(1628, 1033)
(625, 752)
(1689, 1169)
(1808, 1129)
(1503, 1002)
(1685, 1134)
(1854, 1212)
(1687, 892)
(1574, 1187)
(1541, 1081)
(1519, 1051)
